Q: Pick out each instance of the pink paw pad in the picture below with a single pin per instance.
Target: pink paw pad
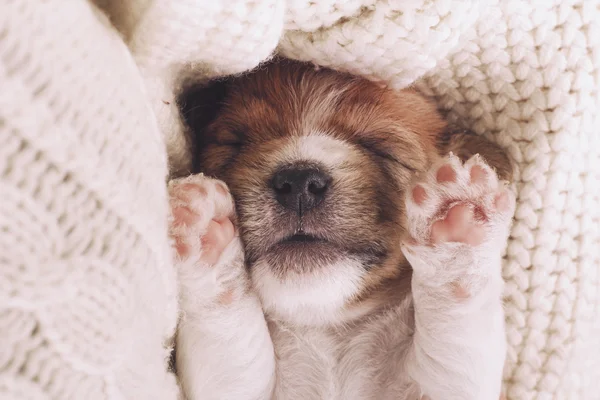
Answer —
(456, 201)
(463, 222)
(459, 225)
(419, 195)
(201, 210)
(218, 235)
(446, 174)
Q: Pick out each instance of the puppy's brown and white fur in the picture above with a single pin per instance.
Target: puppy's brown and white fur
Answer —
(353, 260)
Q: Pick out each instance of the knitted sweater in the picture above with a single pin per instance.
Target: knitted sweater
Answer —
(87, 291)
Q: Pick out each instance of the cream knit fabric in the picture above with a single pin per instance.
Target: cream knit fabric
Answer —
(87, 295)
(82, 166)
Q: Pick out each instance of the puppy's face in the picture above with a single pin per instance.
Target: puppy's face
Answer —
(317, 162)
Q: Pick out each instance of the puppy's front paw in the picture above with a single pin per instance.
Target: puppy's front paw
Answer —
(458, 218)
(202, 211)
(202, 230)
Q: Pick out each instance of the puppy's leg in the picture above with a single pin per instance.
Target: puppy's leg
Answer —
(458, 218)
(223, 347)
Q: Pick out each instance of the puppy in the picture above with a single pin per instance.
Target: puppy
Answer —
(328, 248)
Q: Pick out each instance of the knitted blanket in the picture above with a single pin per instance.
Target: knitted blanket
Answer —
(87, 110)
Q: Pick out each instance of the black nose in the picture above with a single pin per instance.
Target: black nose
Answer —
(300, 189)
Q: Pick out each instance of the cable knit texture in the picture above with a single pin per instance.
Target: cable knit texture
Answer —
(87, 300)
(87, 292)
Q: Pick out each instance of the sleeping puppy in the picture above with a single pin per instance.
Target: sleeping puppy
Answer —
(329, 248)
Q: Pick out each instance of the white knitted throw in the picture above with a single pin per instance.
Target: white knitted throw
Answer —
(87, 294)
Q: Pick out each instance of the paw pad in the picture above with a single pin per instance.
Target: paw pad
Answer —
(202, 212)
(419, 195)
(478, 175)
(459, 226)
(446, 174)
(457, 203)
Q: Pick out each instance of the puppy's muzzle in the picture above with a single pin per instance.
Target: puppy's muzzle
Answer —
(300, 189)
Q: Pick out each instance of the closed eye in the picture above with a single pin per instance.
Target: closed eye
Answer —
(230, 139)
(374, 149)
(229, 143)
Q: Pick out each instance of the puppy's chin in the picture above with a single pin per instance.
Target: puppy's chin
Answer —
(302, 256)
(314, 296)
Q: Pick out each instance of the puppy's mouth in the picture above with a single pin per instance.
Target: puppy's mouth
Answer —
(303, 251)
(301, 237)
(302, 242)
(310, 246)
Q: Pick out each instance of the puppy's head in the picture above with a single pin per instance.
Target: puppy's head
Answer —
(317, 162)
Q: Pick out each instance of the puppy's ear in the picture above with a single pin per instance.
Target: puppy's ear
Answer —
(199, 105)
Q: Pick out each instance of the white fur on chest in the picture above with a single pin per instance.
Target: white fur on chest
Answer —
(347, 363)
